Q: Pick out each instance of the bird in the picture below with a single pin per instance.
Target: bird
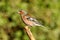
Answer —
(27, 19)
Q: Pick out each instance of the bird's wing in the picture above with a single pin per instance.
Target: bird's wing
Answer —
(32, 20)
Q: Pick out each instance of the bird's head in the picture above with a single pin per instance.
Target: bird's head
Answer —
(22, 12)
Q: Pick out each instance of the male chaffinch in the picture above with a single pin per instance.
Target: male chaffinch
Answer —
(27, 19)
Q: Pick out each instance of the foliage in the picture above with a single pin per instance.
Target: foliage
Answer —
(47, 12)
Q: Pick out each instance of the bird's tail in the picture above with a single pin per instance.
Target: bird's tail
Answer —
(44, 27)
(40, 25)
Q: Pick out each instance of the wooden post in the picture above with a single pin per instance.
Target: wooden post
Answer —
(29, 33)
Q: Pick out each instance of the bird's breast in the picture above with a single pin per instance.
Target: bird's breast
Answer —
(26, 21)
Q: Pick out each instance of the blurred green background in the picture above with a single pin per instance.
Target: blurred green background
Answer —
(47, 12)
